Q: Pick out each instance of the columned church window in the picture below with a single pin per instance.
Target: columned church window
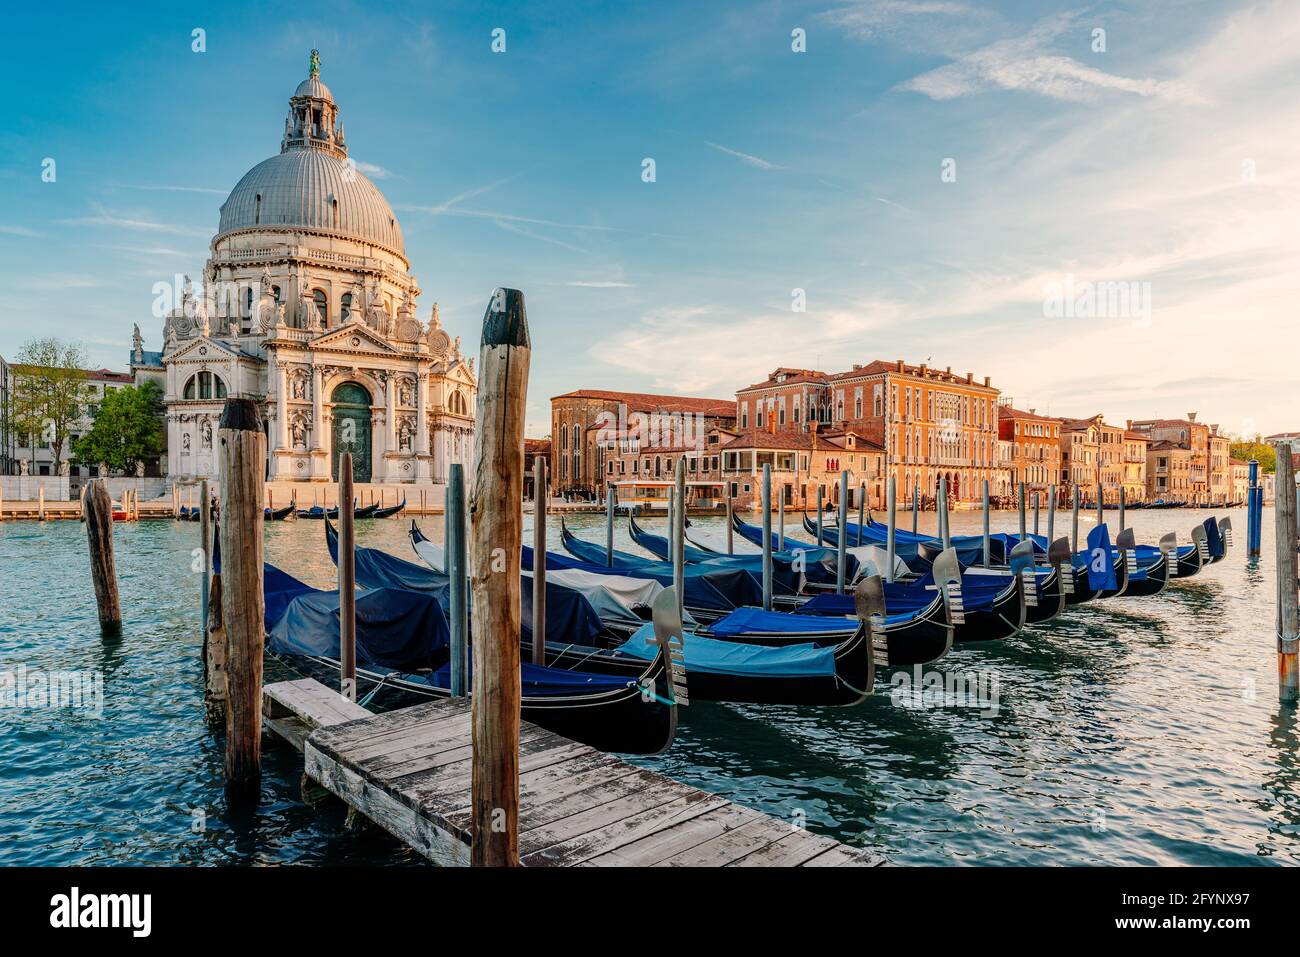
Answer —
(345, 307)
(205, 385)
(322, 305)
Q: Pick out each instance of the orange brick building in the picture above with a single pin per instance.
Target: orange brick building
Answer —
(932, 426)
(1035, 453)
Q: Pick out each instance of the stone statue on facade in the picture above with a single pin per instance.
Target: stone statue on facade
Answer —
(205, 431)
(265, 317)
(137, 344)
(299, 431)
(65, 467)
(308, 314)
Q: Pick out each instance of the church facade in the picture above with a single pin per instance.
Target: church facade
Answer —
(308, 306)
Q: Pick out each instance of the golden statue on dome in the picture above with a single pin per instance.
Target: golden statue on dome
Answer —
(314, 69)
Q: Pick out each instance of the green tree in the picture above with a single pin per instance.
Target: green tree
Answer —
(127, 429)
(50, 392)
(1245, 449)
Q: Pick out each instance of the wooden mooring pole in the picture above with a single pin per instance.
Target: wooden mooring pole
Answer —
(539, 560)
(241, 464)
(347, 582)
(609, 525)
(766, 504)
(780, 519)
(205, 546)
(891, 510)
(731, 541)
(988, 545)
(103, 567)
(496, 523)
(862, 510)
(457, 572)
(1288, 608)
(679, 535)
(842, 535)
(821, 495)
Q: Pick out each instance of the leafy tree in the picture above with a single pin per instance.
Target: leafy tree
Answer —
(1245, 449)
(50, 392)
(127, 428)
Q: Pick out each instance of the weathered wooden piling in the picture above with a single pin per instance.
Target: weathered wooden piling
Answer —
(214, 658)
(1051, 514)
(103, 566)
(40, 502)
(780, 520)
(943, 515)
(988, 544)
(1074, 533)
(609, 524)
(679, 535)
(821, 496)
(496, 527)
(1121, 508)
(347, 570)
(1101, 505)
(891, 508)
(241, 453)
(539, 562)
(205, 546)
(458, 612)
(916, 506)
(1288, 611)
(1036, 504)
(842, 535)
(766, 503)
(1020, 510)
(862, 510)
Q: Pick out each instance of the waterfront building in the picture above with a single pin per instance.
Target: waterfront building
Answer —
(1135, 466)
(1080, 458)
(1170, 473)
(1195, 438)
(591, 426)
(1292, 438)
(308, 306)
(36, 454)
(1035, 446)
(1239, 469)
(1220, 469)
(933, 426)
(644, 471)
(801, 462)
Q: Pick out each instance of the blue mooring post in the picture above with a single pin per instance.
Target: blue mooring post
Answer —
(1254, 511)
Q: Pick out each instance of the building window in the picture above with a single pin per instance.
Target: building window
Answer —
(457, 404)
(322, 305)
(345, 307)
(205, 385)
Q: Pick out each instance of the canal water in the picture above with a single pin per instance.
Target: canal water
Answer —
(1134, 731)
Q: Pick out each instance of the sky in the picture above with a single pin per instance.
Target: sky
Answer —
(933, 180)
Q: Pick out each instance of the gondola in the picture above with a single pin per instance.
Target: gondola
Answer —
(715, 670)
(390, 511)
(279, 514)
(319, 512)
(403, 643)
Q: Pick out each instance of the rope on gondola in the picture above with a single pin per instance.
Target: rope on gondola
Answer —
(375, 690)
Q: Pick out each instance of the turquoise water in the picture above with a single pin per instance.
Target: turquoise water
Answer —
(1136, 731)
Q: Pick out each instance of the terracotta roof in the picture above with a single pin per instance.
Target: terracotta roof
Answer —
(1078, 425)
(1138, 436)
(802, 441)
(1014, 413)
(791, 376)
(1165, 423)
(95, 375)
(1165, 445)
(646, 402)
(880, 366)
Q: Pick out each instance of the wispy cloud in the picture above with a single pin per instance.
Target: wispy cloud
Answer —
(600, 284)
(178, 189)
(18, 231)
(756, 161)
(104, 217)
(373, 170)
(1027, 64)
(446, 205)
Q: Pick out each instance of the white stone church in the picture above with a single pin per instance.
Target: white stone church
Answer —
(308, 305)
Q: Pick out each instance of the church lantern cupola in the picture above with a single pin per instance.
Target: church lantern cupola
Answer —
(313, 120)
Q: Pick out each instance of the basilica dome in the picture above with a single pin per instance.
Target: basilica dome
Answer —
(312, 184)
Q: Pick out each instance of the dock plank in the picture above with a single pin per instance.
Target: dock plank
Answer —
(410, 772)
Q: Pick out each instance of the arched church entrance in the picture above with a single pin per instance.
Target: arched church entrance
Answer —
(351, 409)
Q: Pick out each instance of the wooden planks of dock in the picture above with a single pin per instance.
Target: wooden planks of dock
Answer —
(409, 771)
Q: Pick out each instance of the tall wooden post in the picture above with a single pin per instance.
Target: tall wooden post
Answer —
(842, 535)
(821, 495)
(103, 567)
(1036, 504)
(862, 510)
(1288, 612)
(766, 502)
(780, 520)
(347, 568)
(679, 535)
(1074, 533)
(1051, 514)
(1101, 505)
(1121, 508)
(1021, 512)
(731, 541)
(988, 544)
(454, 520)
(539, 560)
(241, 464)
(609, 525)
(496, 527)
(40, 501)
(891, 544)
(916, 506)
(205, 546)
(943, 515)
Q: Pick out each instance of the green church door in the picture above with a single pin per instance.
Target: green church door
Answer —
(352, 429)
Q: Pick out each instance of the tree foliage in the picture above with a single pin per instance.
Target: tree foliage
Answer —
(1244, 449)
(127, 429)
(50, 392)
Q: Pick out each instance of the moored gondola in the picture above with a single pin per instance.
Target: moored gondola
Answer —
(390, 511)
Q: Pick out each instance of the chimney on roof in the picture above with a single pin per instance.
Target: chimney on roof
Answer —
(925, 367)
(857, 366)
(949, 370)
(970, 378)
(1031, 410)
(1128, 424)
(1191, 416)
(900, 365)
(986, 382)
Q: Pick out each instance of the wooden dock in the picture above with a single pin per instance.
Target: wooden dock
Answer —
(409, 772)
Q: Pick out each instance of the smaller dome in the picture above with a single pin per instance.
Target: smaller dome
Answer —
(312, 86)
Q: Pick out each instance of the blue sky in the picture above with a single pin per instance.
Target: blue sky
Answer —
(1167, 160)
